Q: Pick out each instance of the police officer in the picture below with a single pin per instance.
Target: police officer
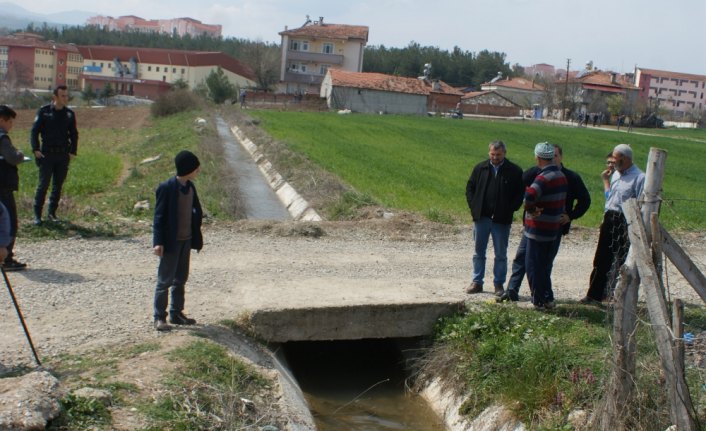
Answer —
(56, 125)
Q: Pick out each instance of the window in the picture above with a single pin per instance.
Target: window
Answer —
(149, 68)
(297, 67)
(157, 69)
(323, 69)
(173, 69)
(327, 48)
(299, 45)
(183, 71)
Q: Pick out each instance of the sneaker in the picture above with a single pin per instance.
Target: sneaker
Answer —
(52, 217)
(37, 221)
(475, 288)
(161, 325)
(549, 305)
(13, 265)
(181, 319)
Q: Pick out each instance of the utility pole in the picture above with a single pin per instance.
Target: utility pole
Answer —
(566, 88)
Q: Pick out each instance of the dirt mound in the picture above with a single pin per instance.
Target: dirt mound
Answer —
(108, 117)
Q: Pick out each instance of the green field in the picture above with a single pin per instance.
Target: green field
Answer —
(422, 164)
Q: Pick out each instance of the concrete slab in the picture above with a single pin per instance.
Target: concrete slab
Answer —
(350, 322)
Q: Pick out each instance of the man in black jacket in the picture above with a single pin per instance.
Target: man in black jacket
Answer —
(494, 192)
(578, 200)
(55, 124)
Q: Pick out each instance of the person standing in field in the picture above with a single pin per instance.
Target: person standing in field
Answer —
(494, 192)
(626, 182)
(578, 200)
(176, 231)
(545, 203)
(54, 140)
(10, 158)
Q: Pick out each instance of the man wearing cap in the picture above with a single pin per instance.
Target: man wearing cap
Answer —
(578, 200)
(545, 202)
(493, 192)
(176, 230)
(626, 182)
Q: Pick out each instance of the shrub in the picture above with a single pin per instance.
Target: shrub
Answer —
(174, 102)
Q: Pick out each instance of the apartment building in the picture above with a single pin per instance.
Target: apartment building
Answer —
(178, 26)
(309, 51)
(148, 72)
(681, 94)
(29, 61)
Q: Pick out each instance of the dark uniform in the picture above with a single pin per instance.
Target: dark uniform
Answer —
(9, 184)
(59, 139)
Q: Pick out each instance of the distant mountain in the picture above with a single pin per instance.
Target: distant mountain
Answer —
(16, 17)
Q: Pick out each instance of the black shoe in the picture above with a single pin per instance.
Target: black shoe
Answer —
(13, 265)
(37, 221)
(161, 325)
(52, 217)
(506, 297)
(498, 289)
(181, 319)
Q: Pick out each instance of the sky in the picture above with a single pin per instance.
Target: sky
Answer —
(615, 35)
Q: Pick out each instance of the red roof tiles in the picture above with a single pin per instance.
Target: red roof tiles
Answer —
(382, 82)
(330, 31)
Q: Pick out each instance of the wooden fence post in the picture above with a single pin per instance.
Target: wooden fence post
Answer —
(681, 408)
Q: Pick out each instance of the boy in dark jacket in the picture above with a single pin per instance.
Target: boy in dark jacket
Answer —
(10, 157)
(176, 230)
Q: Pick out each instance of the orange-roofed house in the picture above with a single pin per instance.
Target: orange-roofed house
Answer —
(309, 51)
(380, 93)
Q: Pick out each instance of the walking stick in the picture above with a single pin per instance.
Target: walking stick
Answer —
(19, 314)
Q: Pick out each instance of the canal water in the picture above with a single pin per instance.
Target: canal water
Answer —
(358, 386)
(259, 200)
(350, 385)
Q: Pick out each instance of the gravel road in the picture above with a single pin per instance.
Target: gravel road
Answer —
(84, 293)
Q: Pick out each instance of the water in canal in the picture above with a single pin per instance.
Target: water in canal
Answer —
(358, 386)
(256, 195)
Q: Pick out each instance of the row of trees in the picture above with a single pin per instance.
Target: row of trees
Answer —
(457, 67)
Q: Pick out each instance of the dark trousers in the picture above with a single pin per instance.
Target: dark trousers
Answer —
(53, 167)
(518, 265)
(171, 277)
(7, 197)
(611, 252)
(538, 264)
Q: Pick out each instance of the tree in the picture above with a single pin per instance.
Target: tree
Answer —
(616, 104)
(219, 87)
(107, 92)
(264, 58)
(88, 94)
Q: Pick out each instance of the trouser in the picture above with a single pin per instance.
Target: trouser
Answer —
(172, 274)
(611, 252)
(53, 167)
(518, 265)
(7, 197)
(483, 229)
(538, 263)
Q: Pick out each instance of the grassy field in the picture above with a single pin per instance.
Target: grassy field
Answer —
(109, 177)
(422, 164)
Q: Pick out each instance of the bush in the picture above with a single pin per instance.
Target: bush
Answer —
(174, 102)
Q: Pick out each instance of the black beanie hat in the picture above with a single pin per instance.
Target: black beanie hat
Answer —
(186, 162)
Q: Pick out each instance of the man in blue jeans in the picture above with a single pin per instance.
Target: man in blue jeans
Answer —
(494, 192)
(578, 200)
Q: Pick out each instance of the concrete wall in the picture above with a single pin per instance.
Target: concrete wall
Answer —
(373, 101)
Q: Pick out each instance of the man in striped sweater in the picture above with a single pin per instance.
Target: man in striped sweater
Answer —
(545, 200)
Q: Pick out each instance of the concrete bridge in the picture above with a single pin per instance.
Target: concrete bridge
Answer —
(325, 307)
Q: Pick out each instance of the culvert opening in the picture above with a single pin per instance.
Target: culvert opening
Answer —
(360, 385)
